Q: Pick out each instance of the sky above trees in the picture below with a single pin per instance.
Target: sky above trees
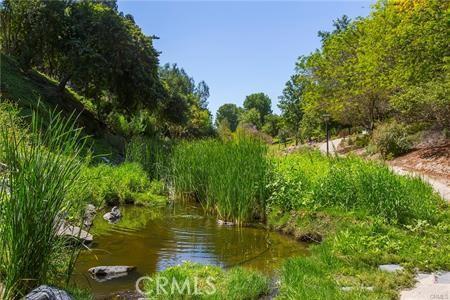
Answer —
(238, 48)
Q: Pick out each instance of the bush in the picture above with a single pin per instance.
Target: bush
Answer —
(111, 185)
(42, 168)
(392, 139)
(308, 179)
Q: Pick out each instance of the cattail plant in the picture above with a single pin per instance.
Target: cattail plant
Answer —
(41, 168)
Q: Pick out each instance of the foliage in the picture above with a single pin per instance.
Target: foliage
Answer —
(392, 139)
(152, 154)
(272, 125)
(229, 112)
(393, 63)
(250, 117)
(261, 103)
(113, 185)
(290, 105)
(184, 108)
(210, 282)
(67, 40)
(353, 248)
(308, 179)
(428, 102)
(42, 168)
(225, 177)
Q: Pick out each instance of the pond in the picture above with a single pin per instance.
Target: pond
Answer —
(157, 238)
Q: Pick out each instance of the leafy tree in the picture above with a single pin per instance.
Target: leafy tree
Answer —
(272, 125)
(290, 105)
(261, 102)
(183, 106)
(251, 117)
(229, 112)
(202, 90)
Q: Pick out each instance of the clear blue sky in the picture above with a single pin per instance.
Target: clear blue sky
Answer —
(237, 47)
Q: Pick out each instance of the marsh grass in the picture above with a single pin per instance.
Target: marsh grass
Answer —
(227, 178)
(41, 170)
(153, 154)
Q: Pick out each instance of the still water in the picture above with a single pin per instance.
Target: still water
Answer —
(157, 238)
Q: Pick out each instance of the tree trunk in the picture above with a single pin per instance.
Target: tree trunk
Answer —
(63, 82)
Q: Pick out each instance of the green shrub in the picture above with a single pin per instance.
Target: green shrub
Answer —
(312, 180)
(226, 177)
(392, 139)
(111, 185)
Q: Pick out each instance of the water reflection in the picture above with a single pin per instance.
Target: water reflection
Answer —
(154, 239)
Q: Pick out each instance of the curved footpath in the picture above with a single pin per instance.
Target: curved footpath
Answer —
(428, 286)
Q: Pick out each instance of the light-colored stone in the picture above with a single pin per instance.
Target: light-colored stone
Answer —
(225, 223)
(105, 273)
(67, 230)
(45, 292)
(113, 216)
(429, 286)
(89, 215)
(391, 268)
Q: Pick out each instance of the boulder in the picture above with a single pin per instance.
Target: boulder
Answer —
(70, 231)
(225, 223)
(45, 292)
(3, 167)
(105, 273)
(113, 216)
(89, 215)
(391, 268)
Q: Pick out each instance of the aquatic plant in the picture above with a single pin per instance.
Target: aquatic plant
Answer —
(41, 169)
(227, 178)
(152, 153)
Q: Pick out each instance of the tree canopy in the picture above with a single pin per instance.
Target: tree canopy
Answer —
(261, 102)
(392, 64)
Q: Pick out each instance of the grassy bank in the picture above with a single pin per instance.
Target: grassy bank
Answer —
(364, 216)
(205, 282)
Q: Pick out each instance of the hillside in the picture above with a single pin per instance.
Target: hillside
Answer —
(33, 90)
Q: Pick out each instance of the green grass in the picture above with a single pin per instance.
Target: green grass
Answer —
(34, 91)
(365, 216)
(114, 185)
(354, 246)
(309, 179)
(227, 178)
(41, 169)
(209, 282)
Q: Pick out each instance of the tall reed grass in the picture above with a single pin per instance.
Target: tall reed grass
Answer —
(227, 178)
(152, 153)
(41, 169)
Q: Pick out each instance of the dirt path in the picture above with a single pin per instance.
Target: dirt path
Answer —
(440, 184)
